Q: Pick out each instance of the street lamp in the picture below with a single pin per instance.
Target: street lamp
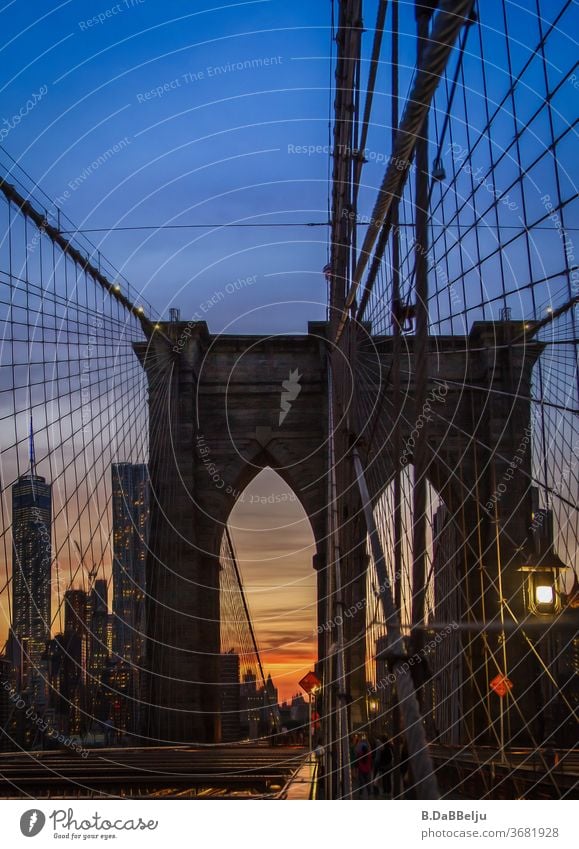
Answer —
(542, 587)
(373, 705)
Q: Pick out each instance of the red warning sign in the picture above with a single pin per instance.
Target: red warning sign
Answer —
(310, 682)
(501, 685)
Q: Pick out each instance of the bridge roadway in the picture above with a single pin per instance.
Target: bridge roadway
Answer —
(158, 772)
(482, 772)
(284, 772)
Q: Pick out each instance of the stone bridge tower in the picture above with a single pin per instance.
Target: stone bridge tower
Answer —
(221, 408)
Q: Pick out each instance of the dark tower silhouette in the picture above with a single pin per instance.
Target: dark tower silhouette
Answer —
(130, 518)
(130, 486)
(31, 572)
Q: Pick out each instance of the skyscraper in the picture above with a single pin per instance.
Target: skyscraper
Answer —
(6, 683)
(31, 576)
(230, 697)
(250, 706)
(98, 652)
(130, 520)
(75, 646)
(130, 487)
(75, 612)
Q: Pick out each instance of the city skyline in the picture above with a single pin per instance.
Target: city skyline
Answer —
(280, 582)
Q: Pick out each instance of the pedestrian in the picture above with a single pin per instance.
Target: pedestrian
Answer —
(383, 761)
(109, 733)
(363, 755)
(320, 755)
(408, 791)
(354, 739)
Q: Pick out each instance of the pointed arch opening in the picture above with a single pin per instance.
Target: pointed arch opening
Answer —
(268, 585)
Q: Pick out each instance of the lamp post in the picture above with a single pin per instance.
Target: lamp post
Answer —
(542, 596)
(542, 587)
(373, 706)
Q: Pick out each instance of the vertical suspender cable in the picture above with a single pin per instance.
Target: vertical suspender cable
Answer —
(343, 751)
(423, 14)
(233, 556)
(396, 330)
(424, 778)
(448, 23)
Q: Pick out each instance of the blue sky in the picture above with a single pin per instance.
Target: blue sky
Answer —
(199, 141)
(212, 146)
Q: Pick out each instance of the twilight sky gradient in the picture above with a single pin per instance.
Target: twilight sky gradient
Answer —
(275, 546)
(197, 110)
(149, 113)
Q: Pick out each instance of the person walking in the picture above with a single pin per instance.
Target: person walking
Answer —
(320, 755)
(408, 790)
(363, 755)
(353, 765)
(383, 762)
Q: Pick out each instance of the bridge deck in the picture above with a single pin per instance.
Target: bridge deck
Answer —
(482, 772)
(167, 772)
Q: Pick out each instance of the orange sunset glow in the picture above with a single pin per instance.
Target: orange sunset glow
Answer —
(275, 546)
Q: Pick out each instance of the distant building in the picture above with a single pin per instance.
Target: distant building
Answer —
(98, 649)
(7, 741)
(299, 710)
(31, 582)
(230, 697)
(121, 691)
(75, 643)
(271, 715)
(250, 706)
(64, 655)
(55, 663)
(271, 696)
(130, 507)
(76, 660)
(259, 710)
(110, 629)
(285, 715)
(75, 612)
